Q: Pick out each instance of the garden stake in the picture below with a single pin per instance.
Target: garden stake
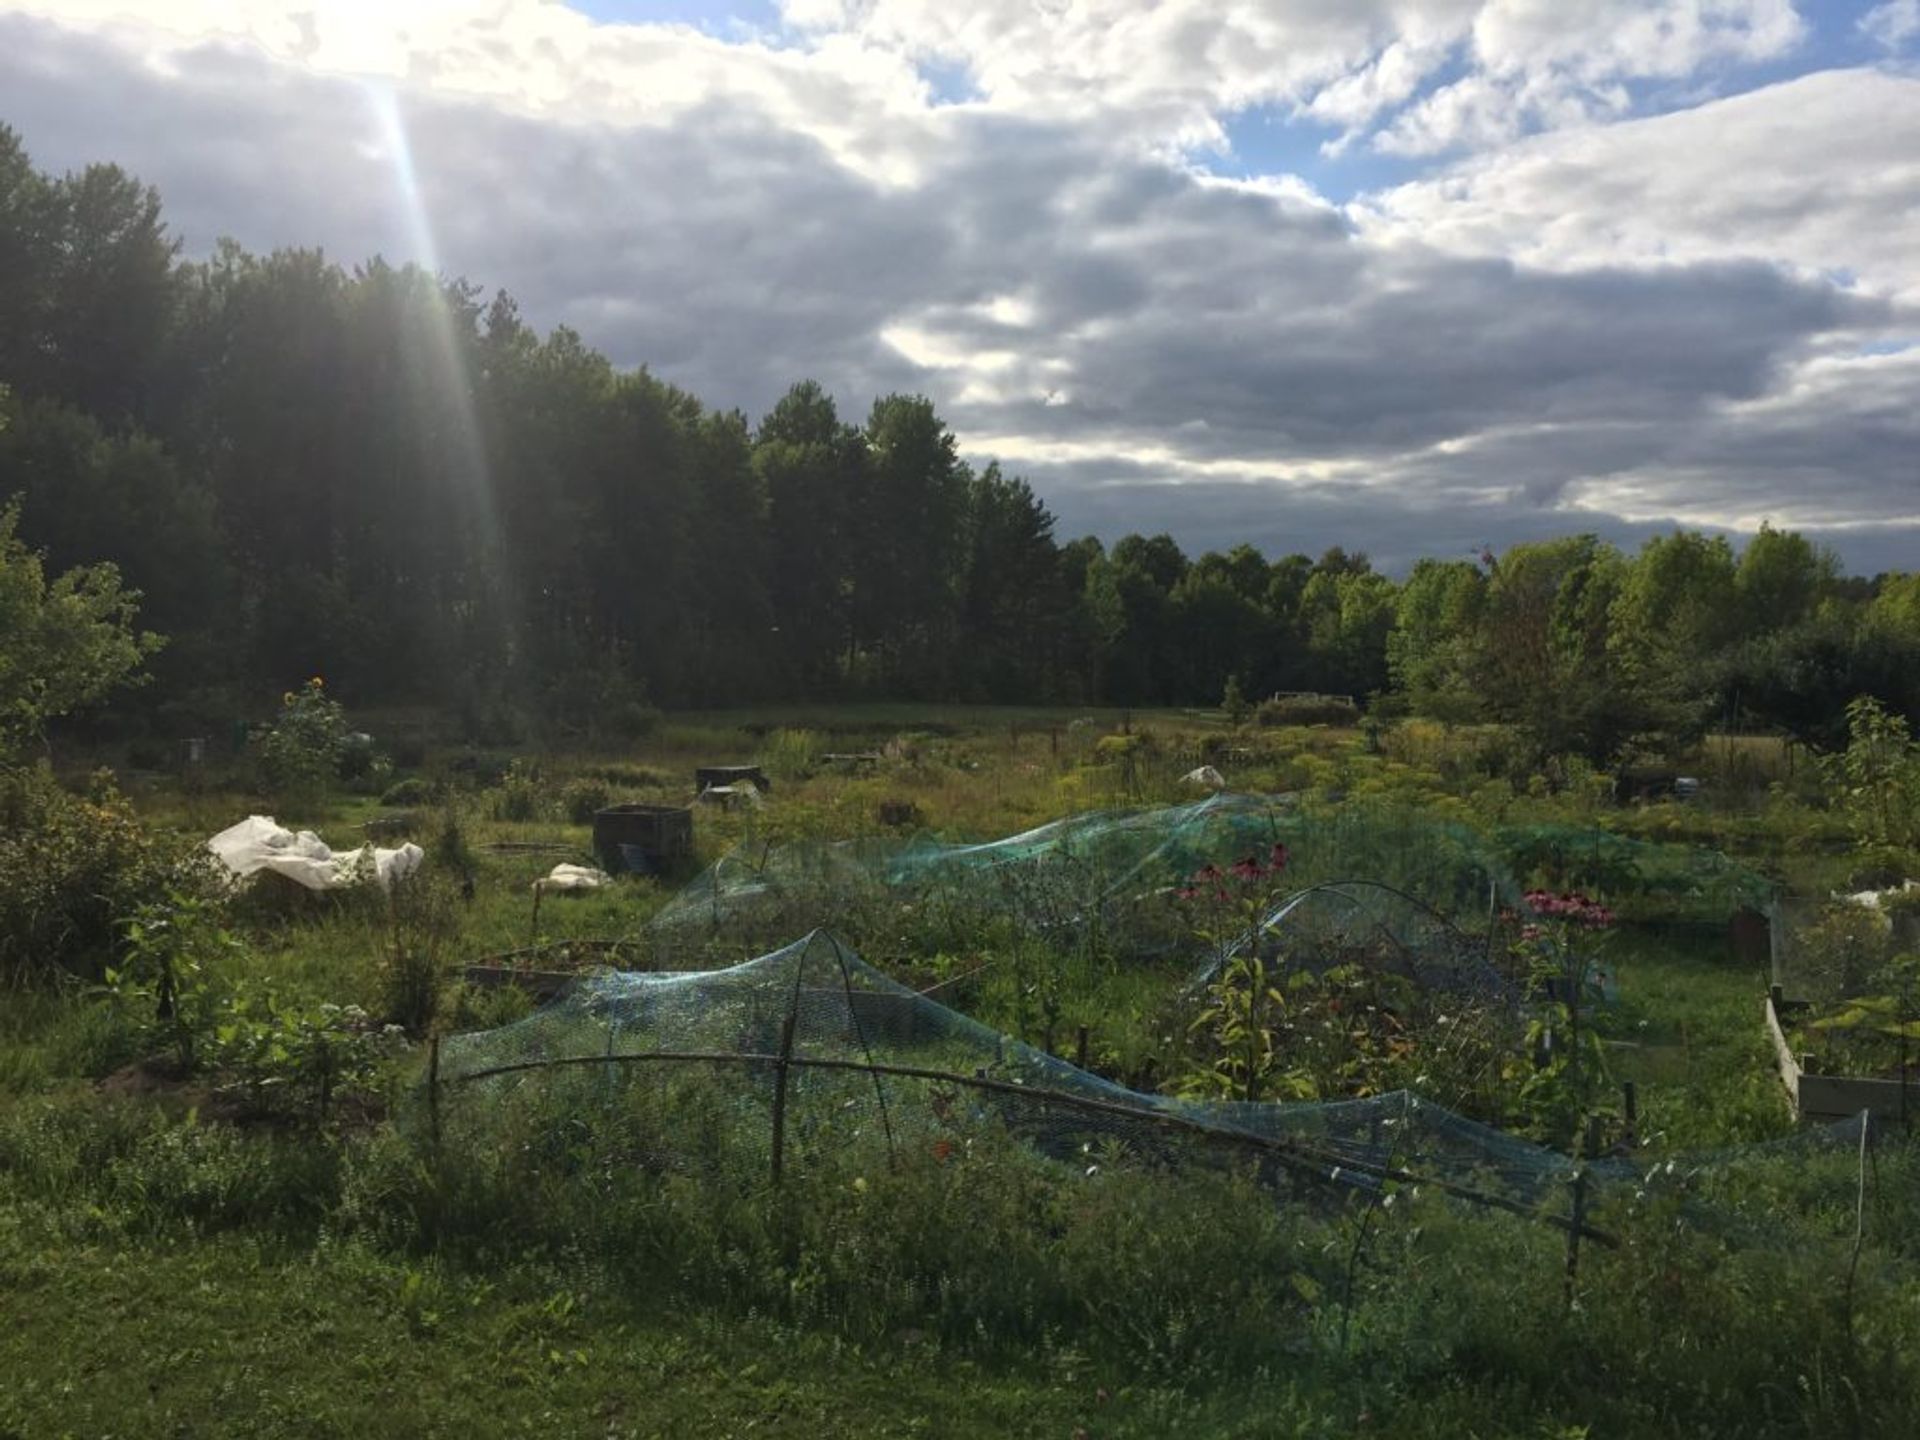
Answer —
(533, 925)
(780, 1071)
(1573, 1230)
(1080, 1048)
(1859, 1221)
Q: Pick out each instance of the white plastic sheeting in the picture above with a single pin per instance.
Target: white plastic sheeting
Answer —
(261, 843)
(1205, 777)
(573, 877)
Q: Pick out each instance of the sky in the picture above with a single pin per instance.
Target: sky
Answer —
(1408, 276)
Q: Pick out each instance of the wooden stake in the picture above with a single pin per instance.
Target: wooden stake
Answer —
(1080, 1048)
(1574, 1230)
(781, 1069)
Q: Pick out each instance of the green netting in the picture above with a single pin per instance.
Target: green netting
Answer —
(1107, 879)
(1666, 880)
(807, 1050)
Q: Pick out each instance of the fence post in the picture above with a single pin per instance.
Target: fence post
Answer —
(1573, 1231)
(1080, 1048)
(780, 1070)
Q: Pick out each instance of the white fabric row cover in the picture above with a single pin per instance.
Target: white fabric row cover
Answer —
(261, 843)
(574, 877)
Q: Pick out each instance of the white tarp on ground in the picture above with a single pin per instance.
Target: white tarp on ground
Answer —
(260, 843)
(574, 877)
(1206, 777)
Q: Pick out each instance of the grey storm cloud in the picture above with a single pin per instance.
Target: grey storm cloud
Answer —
(1155, 349)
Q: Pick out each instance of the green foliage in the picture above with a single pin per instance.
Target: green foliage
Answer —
(420, 920)
(1233, 703)
(412, 791)
(70, 867)
(523, 794)
(581, 799)
(300, 753)
(1877, 778)
(64, 644)
(791, 754)
(1284, 710)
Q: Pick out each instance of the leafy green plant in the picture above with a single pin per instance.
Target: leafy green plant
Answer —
(71, 866)
(409, 792)
(301, 752)
(1243, 1005)
(418, 921)
(581, 799)
(522, 795)
(163, 977)
(1561, 950)
(1877, 777)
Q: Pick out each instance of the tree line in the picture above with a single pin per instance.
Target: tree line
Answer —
(384, 477)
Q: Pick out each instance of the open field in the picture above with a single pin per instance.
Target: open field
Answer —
(214, 1251)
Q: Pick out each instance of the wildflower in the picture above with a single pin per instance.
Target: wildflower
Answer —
(1277, 861)
(1186, 892)
(943, 1150)
(1248, 869)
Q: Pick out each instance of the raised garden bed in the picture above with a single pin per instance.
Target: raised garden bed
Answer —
(1831, 1097)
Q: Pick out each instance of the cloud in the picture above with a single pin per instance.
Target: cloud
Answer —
(1170, 71)
(1600, 328)
(1818, 173)
(1894, 25)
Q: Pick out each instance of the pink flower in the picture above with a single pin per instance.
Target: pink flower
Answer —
(1248, 869)
(1278, 859)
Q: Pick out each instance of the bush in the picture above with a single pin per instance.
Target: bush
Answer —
(70, 867)
(407, 793)
(791, 754)
(1306, 710)
(301, 753)
(632, 777)
(582, 799)
(421, 920)
(522, 794)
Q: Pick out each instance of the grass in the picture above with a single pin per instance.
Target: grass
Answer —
(163, 1272)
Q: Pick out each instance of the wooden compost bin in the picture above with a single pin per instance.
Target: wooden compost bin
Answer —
(1831, 1097)
(662, 835)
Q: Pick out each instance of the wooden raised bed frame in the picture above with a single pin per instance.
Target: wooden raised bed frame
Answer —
(1831, 1097)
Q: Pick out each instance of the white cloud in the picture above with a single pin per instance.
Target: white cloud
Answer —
(1614, 322)
(1821, 173)
(1893, 24)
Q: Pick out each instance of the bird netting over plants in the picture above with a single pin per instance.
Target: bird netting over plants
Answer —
(807, 1056)
(1106, 880)
(1424, 894)
(1668, 880)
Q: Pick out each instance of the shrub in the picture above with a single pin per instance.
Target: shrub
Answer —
(1306, 710)
(581, 799)
(301, 753)
(791, 754)
(420, 920)
(522, 794)
(70, 867)
(633, 777)
(410, 792)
